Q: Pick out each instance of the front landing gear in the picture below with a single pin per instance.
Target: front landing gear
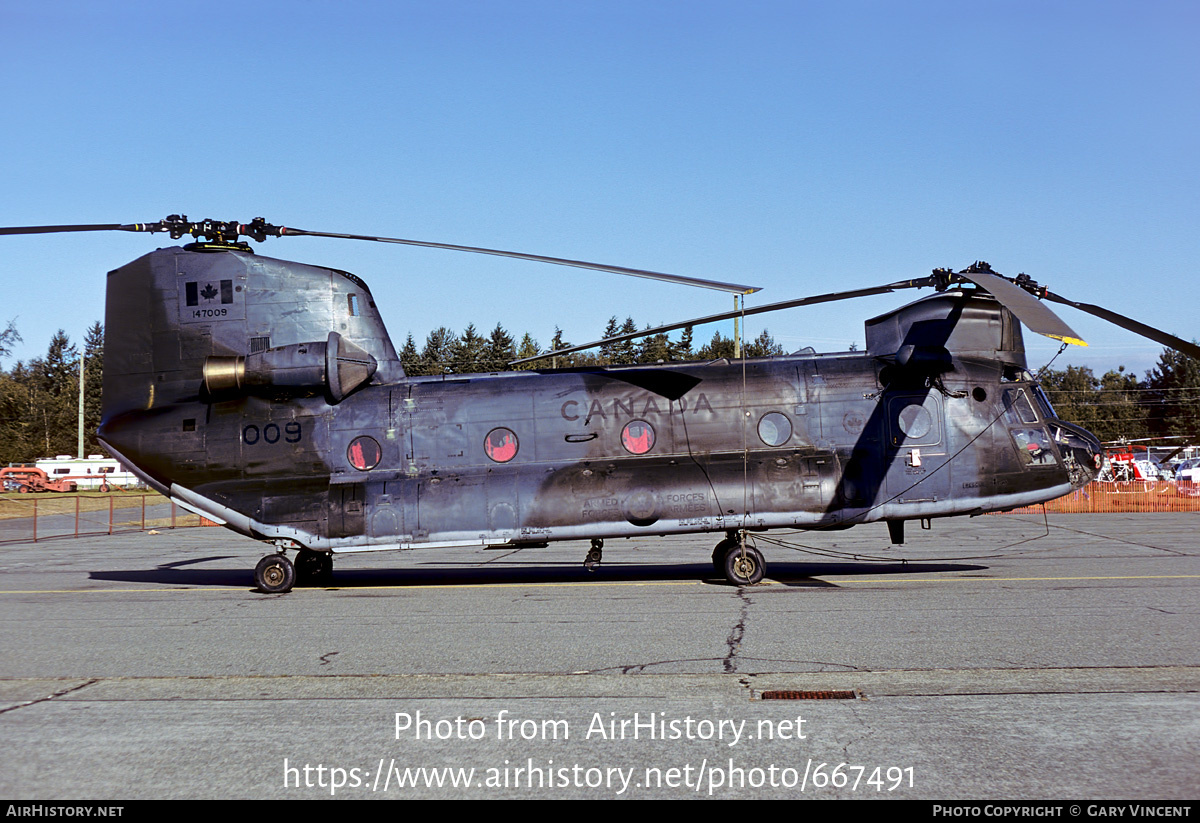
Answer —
(741, 568)
(314, 568)
(275, 574)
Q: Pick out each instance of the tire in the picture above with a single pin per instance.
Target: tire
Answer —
(718, 555)
(744, 569)
(313, 568)
(275, 574)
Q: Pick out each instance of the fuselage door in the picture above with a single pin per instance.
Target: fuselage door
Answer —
(916, 449)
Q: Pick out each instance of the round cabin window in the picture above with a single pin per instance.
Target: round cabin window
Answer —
(774, 429)
(637, 437)
(364, 453)
(501, 445)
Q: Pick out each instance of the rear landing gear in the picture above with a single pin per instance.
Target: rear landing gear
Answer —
(275, 574)
(594, 555)
(740, 568)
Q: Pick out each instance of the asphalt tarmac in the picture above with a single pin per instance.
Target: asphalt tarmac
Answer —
(1000, 657)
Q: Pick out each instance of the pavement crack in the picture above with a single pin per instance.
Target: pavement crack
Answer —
(734, 641)
(52, 696)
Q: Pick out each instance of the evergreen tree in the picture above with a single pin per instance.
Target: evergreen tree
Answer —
(467, 352)
(608, 350)
(682, 350)
(15, 446)
(528, 348)
(53, 388)
(8, 337)
(654, 349)
(762, 346)
(438, 352)
(627, 350)
(720, 346)
(410, 358)
(556, 343)
(499, 350)
(93, 386)
(13, 405)
(1174, 396)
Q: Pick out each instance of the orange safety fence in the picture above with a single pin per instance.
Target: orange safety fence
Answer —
(1123, 497)
(33, 517)
(25, 517)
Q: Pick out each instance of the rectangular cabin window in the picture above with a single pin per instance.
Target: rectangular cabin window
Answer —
(355, 310)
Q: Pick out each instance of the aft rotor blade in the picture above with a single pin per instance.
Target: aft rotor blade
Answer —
(1029, 310)
(729, 315)
(86, 227)
(1149, 332)
(733, 288)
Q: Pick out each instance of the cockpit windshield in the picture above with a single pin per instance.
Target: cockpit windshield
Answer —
(1044, 402)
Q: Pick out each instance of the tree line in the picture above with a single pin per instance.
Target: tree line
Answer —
(445, 352)
(1119, 406)
(39, 398)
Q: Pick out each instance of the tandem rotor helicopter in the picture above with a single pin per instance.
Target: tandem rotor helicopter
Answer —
(267, 396)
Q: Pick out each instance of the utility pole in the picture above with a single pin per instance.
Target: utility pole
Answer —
(737, 333)
(81, 384)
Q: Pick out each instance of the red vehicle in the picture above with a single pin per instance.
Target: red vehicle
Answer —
(32, 479)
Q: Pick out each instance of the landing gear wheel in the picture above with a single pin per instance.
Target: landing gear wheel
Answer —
(720, 551)
(744, 569)
(595, 555)
(313, 568)
(275, 574)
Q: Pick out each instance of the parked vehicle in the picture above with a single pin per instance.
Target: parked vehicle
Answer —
(92, 473)
(32, 479)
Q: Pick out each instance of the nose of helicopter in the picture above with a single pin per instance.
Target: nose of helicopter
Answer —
(1083, 453)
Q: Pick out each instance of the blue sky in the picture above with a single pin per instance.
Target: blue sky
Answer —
(804, 147)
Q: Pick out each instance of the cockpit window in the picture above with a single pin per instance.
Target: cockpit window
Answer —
(1043, 402)
(1017, 407)
(1016, 374)
(1033, 446)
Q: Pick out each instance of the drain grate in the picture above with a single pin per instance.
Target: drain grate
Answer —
(827, 694)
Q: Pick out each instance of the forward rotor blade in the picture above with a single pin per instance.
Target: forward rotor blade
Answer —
(729, 315)
(733, 288)
(1029, 310)
(1149, 332)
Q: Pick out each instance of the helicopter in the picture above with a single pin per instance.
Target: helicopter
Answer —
(267, 396)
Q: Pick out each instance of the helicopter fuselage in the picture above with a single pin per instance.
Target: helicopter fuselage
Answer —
(267, 396)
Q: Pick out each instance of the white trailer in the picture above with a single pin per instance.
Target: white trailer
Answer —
(92, 473)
